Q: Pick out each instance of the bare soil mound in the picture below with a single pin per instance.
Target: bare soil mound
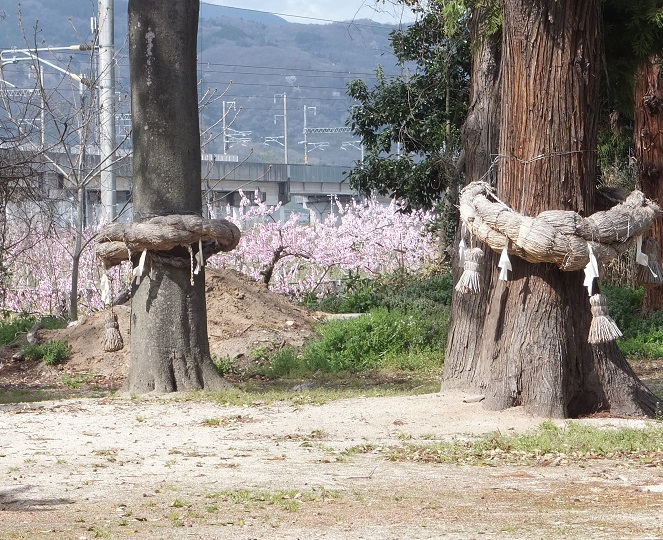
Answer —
(243, 316)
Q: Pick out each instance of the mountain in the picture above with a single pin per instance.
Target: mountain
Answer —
(247, 59)
(212, 11)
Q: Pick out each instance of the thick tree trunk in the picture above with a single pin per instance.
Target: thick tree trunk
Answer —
(530, 347)
(480, 137)
(649, 153)
(169, 342)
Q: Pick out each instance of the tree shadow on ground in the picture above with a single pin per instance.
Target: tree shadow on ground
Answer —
(19, 499)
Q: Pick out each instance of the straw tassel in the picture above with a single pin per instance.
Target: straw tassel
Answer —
(469, 282)
(112, 340)
(603, 328)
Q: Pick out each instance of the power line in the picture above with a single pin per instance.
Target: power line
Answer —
(311, 70)
(279, 85)
(342, 74)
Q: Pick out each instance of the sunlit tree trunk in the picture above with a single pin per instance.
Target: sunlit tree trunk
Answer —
(524, 342)
(480, 139)
(649, 153)
(169, 342)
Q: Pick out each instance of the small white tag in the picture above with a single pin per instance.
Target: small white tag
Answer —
(591, 271)
(105, 290)
(138, 271)
(504, 265)
(461, 250)
(640, 257)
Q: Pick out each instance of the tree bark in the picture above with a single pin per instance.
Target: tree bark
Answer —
(169, 342)
(649, 153)
(524, 342)
(480, 138)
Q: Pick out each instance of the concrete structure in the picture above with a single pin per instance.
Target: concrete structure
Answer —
(308, 189)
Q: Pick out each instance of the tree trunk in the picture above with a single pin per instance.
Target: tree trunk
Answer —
(649, 153)
(169, 342)
(480, 137)
(524, 342)
(76, 256)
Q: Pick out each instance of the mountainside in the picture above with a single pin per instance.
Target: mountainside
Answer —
(246, 58)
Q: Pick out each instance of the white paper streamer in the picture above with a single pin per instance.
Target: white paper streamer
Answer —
(591, 271)
(200, 258)
(504, 265)
(461, 250)
(640, 257)
(138, 271)
(105, 290)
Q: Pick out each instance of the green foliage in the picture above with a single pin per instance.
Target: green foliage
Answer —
(572, 441)
(225, 365)
(12, 327)
(643, 336)
(52, 353)
(379, 339)
(283, 363)
(412, 294)
(410, 124)
(404, 329)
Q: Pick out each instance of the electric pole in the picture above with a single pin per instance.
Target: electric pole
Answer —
(227, 107)
(285, 125)
(306, 109)
(107, 143)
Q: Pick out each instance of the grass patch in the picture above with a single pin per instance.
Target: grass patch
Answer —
(320, 389)
(288, 500)
(52, 353)
(13, 327)
(29, 395)
(379, 339)
(549, 444)
(643, 336)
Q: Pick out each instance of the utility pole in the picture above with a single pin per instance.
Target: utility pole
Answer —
(285, 125)
(227, 107)
(306, 109)
(107, 142)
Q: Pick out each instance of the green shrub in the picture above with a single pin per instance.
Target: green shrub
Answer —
(225, 365)
(643, 336)
(282, 363)
(12, 327)
(373, 341)
(52, 353)
(423, 295)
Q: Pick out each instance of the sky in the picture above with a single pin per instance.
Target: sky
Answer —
(322, 11)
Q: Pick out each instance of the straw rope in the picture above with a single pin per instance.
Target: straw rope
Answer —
(117, 241)
(559, 237)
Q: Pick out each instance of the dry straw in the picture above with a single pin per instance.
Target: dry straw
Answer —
(560, 237)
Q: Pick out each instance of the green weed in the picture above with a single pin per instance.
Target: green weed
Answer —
(570, 441)
(52, 353)
(12, 327)
(643, 336)
(225, 365)
(379, 339)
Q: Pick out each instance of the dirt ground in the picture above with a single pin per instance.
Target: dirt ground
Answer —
(175, 467)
